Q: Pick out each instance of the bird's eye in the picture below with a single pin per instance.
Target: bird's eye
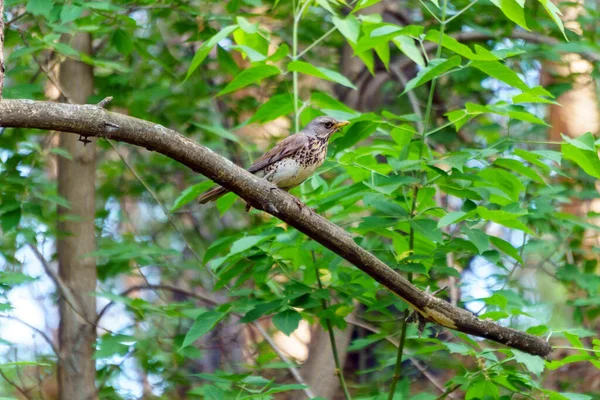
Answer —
(328, 124)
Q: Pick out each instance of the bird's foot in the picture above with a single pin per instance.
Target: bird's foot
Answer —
(298, 203)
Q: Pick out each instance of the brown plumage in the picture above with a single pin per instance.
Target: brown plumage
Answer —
(292, 160)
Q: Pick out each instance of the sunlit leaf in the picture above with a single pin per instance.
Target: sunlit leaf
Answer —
(320, 72)
(287, 321)
(207, 47)
(190, 194)
(203, 324)
(249, 76)
(513, 11)
(432, 71)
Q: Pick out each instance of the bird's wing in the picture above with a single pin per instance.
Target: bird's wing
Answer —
(283, 149)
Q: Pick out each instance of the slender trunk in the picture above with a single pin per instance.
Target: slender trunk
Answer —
(578, 112)
(76, 183)
(319, 368)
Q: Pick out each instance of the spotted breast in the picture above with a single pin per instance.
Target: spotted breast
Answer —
(291, 171)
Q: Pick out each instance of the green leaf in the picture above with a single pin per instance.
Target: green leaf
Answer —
(554, 13)
(583, 142)
(217, 130)
(407, 45)
(10, 219)
(110, 345)
(450, 218)
(364, 4)
(432, 71)
(249, 76)
(455, 46)
(246, 25)
(207, 46)
(427, 228)
(504, 181)
(13, 278)
(586, 159)
(482, 389)
(357, 132)
(285, 388)
(320, 72)
(325, 4)
(213, 393)
(534, 364)
(61, 152)
(287, 321)
(204, 323)
(506, 248)
(277, 106)
(382, 204)
(122, 42)
(479, 238)
(225, 203)
(260, 310)
(246, 242)
(503, 218)
(40, 7)
(498, 70)
(190, 194)
(513, 11)
(403, 134)
(349, 27)
(520, 168)
(70, 12)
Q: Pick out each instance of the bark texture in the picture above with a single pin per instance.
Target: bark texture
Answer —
(76, 183)
(93, 121)
(319, 368)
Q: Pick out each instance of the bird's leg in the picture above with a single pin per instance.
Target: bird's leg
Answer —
(298, 203)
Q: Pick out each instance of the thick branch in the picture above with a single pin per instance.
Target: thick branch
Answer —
(93, 121)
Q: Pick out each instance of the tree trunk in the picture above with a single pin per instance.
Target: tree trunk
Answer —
(76, 183)
(578, 112)
(319, 368)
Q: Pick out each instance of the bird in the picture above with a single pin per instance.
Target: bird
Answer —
(291, 161)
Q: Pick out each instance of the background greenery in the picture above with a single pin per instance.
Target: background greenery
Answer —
(447, 173)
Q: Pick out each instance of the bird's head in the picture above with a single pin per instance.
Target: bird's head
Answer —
(324, 127)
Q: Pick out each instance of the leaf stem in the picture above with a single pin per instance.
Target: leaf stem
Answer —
(411, 241)
(462, 11)
(297, 16)
(400, 353)
(316, 42)
(338, 368)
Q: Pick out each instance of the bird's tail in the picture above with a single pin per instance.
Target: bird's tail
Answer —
(212, 195)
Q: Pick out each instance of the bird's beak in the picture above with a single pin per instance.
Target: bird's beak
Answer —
(341, 124)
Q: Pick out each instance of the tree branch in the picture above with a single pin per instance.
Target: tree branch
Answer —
(89, 120)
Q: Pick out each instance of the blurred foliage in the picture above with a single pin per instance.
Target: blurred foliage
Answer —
(459, 187)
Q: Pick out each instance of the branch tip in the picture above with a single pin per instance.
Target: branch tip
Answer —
(104, 101)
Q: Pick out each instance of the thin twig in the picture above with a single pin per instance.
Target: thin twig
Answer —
(105, 101)
(291, 367)
(338, 368)
(412, 97)
(12, 383)
(162, 207)
(61, 286)
(214, 302)
(36, 330)
(394, 342)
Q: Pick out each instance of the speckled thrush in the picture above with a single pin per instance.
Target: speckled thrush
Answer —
(293, 160)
